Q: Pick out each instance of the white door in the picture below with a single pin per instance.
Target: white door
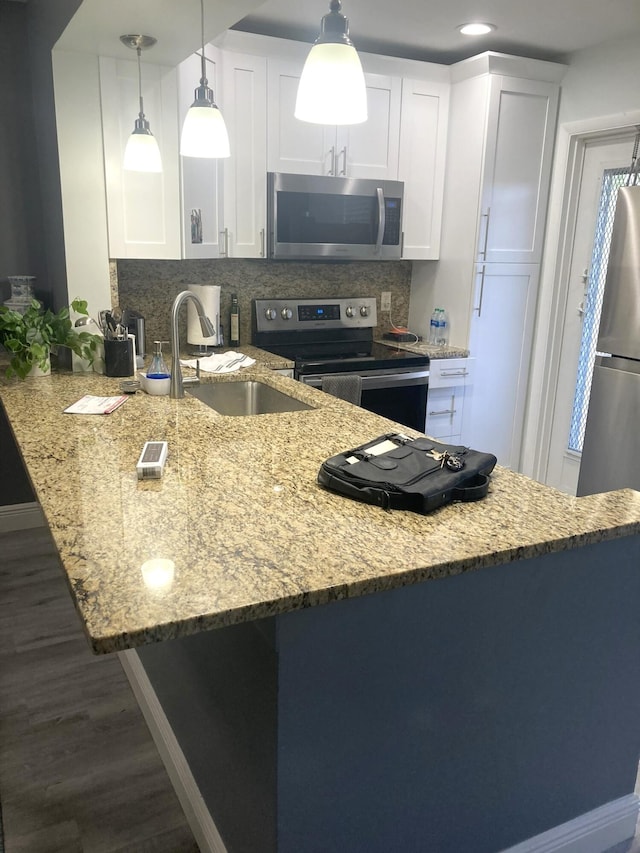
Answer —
(599, 155)
(500, 341)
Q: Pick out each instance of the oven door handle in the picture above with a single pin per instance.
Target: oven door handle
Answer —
(371, 382)
(395, 380)
(381, 219)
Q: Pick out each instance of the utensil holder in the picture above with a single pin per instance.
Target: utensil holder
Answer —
(118, 357)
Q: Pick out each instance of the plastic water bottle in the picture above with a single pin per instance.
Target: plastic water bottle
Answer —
(442, 339)
(433, 327)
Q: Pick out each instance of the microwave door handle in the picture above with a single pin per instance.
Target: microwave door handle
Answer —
(381, 219)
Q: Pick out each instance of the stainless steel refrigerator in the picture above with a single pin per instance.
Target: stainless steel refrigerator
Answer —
(611, 451)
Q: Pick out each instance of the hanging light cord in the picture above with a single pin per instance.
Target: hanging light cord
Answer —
(203, 61)
(141, 114)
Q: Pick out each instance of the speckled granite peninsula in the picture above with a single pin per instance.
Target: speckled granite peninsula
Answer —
(371, 670)
(239, 512)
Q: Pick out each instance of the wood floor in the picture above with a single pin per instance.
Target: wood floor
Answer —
(79, 772)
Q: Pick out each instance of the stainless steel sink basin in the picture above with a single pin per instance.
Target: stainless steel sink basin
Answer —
(246, 397)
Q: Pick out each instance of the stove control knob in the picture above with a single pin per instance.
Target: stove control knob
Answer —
(349, 311)
(286, 313)
(364, 311)
(270, 313)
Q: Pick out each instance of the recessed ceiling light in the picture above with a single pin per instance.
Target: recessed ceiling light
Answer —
(476, 29)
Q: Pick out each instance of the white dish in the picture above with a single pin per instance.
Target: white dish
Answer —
(154, 387)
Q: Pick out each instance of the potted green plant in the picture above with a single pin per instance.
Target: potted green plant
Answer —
(30, 337)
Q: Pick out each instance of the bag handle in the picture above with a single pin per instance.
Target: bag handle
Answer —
(473, 489)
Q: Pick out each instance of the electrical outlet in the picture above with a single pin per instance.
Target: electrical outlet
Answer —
(385, 300)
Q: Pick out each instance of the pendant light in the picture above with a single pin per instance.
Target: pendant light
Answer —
(332, 88)
(204, 133)
(141, 153)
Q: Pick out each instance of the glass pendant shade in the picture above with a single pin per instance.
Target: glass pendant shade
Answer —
(204, 133)
(142, 153)
(332, 88)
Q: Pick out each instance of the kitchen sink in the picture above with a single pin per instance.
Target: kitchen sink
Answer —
(246, 397)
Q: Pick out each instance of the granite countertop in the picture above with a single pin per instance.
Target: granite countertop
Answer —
(424, 348)
(239, 513)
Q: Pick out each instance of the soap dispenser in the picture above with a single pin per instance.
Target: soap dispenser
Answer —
(158, 368)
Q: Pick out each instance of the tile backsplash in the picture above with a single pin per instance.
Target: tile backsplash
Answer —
(151, 286)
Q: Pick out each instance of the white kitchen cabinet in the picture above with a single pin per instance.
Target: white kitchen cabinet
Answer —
(367, 150)
(245, 172)
(500, 341)
(229, 195)
(449, 380)
(423, 141)
(202, 194)
(502, 122)
(521, 119)
(143, 208)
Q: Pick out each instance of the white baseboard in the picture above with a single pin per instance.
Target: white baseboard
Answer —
(195, 810)
(593, 832)
(20, 517)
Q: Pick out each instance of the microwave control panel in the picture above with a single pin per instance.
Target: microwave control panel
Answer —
(392, 221)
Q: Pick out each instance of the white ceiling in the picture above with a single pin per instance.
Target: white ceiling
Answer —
(426, 29)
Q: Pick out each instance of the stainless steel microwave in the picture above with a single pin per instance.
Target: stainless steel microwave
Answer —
(322, 217)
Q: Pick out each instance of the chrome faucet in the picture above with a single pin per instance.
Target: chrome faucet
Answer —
(176, 388)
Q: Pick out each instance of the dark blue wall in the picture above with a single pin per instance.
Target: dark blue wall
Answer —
(469, 713)
(464, 714)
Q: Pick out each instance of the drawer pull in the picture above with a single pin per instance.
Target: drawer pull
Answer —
(451, 372)
(442, 412)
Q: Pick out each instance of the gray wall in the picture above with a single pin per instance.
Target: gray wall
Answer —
(31, 235)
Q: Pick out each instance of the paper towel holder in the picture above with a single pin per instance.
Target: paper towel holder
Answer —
(209, 295)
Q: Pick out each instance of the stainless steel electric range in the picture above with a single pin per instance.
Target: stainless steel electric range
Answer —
(327, 336)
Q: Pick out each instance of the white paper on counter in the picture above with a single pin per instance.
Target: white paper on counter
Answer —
(90, 405)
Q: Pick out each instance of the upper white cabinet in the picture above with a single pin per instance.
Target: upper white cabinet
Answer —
(521, 121)
(202, 194)
(367, 150)
(423, 143)
(245, 179)
(143, 208)
(224, 201)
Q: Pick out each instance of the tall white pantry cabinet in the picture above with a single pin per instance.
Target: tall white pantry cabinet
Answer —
(502, 121)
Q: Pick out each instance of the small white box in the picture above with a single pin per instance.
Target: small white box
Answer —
(152, 459)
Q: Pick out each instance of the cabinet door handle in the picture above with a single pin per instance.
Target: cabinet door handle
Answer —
(486, 217)
(343, 153)
(332, 155)
(478, 307)
(224, 250)
(262, 242)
